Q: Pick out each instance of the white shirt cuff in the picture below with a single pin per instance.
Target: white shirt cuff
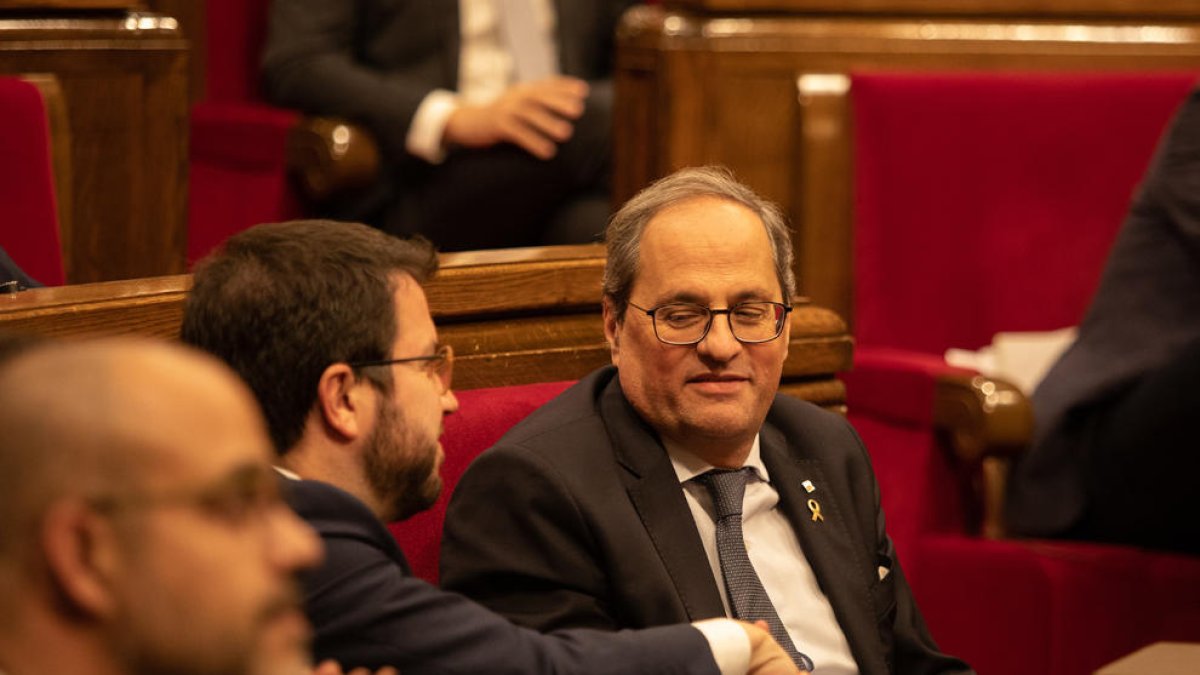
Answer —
(729, 644)
(429, 123)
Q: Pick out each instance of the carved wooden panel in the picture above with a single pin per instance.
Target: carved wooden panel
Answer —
(124, 79)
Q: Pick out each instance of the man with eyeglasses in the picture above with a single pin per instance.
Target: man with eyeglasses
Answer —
(677, 484)
(328, 324)
(143, 531)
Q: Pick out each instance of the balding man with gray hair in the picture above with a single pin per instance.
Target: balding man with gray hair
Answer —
(678, 484)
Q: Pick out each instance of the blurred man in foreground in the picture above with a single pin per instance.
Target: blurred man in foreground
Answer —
(143, 533)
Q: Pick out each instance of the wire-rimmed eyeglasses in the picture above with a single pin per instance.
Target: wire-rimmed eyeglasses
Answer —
(439, 364)
(685, 323)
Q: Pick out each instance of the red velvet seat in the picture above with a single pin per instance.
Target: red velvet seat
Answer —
(484, 415)
(238, 144)
(988, 203)
(28, 209)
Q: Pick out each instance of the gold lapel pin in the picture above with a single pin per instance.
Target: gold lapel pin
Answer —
(816, 510)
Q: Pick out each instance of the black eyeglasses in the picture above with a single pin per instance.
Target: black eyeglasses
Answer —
(439, 364)
(685, 323)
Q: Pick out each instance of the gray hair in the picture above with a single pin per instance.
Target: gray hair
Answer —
(624, 233)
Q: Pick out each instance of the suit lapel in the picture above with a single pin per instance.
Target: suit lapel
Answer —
(828, 546)
(658, 498)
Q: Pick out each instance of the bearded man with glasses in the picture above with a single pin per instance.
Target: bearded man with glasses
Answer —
(678, 484)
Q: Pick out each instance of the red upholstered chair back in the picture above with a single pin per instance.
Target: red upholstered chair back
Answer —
(28, 210)
(988, 202)
(238, 171)
(483, 416)
(237, 30)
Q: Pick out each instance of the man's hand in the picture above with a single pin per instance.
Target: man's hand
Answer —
(332, 668)
(536, 116)
(766, 656)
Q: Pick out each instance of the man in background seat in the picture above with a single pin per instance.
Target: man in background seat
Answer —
(493, 116)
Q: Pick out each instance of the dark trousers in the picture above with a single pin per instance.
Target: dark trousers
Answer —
(1142, 460)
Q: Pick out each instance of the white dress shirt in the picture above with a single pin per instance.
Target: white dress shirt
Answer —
(775, 552)
(485, 70)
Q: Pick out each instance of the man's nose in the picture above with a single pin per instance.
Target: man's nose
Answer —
(719, 344)
(449, 402)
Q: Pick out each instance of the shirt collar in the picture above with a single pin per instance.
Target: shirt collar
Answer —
(688, 466)
(292, 475)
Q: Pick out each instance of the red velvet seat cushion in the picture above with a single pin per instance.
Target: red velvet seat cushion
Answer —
(1061, 608)
(28, 209)
(484, 415)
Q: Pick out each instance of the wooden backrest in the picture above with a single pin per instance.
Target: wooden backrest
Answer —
(515, 316)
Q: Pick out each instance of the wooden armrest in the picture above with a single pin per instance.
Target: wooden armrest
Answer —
(986, 423)
(329, 156)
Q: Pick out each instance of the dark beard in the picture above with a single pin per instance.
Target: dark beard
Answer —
(405, 478)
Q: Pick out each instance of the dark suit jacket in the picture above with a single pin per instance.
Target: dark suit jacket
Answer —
(1145, 311)
(368, 611)
(576, 518)
(376, 60)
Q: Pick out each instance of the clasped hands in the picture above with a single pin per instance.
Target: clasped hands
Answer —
(766, 656)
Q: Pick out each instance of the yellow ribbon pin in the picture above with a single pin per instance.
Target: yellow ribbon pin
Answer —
(816, 510)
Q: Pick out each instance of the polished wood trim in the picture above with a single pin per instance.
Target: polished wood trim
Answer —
(332, 157)
(986, 422)
(150, 307)
(73, 4)
(905, 40)
(998, 8)
(102, 28)
(518, 280)
(824, 237)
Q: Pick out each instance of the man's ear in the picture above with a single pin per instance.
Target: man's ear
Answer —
(341, 399)
(612, 330)
(82, 557)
